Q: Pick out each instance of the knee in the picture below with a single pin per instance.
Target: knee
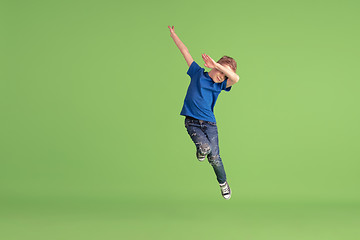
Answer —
(204, 149)
(215, 160)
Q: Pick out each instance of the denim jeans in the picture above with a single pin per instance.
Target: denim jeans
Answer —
(205, 136)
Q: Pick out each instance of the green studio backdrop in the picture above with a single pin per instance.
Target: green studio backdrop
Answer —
(93, 146)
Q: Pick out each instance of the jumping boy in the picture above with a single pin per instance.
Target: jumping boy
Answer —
(198, 108)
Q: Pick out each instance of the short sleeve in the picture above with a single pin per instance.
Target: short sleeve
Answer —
(223, 86)
(193, 69)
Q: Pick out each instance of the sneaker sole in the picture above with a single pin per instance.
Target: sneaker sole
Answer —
(227, 198)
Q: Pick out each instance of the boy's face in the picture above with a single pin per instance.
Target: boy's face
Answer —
(218, 76)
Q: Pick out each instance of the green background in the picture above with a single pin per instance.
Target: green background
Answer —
(93, 146)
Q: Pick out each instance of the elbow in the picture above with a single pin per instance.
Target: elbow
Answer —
(236, 79)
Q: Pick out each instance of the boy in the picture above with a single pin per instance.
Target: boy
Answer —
(199, 103)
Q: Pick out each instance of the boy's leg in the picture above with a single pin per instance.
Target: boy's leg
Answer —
(214, 155)
(215, 160)
(199, 138)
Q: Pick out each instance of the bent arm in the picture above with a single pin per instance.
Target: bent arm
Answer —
(183, 49)
(232, 77)
(228, 72)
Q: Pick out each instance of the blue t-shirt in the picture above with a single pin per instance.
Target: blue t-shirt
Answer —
(202, 94)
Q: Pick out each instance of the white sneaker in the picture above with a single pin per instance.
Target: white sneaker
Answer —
(225, 190)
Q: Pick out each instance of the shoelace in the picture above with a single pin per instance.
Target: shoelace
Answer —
(225, 189)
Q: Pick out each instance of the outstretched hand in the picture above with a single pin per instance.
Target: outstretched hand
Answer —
(209, 62)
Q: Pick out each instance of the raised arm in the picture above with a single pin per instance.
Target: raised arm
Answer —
(183, 49)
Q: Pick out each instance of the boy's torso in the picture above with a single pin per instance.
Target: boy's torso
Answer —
(201, 95)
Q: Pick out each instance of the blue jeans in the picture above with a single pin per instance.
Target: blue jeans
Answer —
(205, 136)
